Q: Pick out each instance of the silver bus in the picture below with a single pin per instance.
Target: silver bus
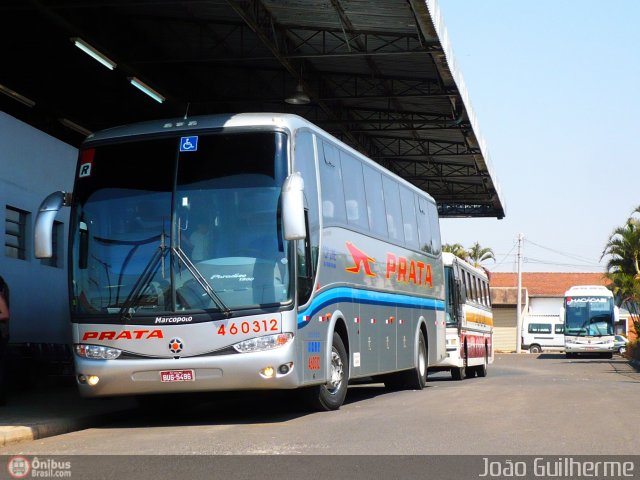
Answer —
(589, 314)
(248, 251)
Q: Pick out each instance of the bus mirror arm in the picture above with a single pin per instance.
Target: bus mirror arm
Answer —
(293, 219)
(43, 228)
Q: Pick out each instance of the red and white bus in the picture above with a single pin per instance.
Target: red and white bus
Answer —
(469, 334)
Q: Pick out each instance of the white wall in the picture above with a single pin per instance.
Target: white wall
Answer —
(545, 305)
(32, 165)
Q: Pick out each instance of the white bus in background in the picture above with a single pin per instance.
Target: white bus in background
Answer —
(542, 332)
(248, 251)
(469, 320)
(589, 315)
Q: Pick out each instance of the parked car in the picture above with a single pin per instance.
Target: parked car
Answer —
(620, 344)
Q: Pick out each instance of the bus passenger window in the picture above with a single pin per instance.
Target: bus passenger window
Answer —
(394, 212)
(375, 201)
(354, 190)
(408, 204)
(331, 183)
(424, 227)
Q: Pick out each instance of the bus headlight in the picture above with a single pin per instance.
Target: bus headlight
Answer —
(267, 342)
(97, 352)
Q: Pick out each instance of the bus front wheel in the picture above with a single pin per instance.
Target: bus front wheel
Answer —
(331, 395)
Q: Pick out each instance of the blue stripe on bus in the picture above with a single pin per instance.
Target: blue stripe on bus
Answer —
(345, 294)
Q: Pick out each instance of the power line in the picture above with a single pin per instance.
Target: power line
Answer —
(545, 262)
(587, 261)
(505, 256)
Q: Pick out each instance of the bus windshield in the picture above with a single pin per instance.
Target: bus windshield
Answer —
(160, 227)
(589, 316)
(450, 314)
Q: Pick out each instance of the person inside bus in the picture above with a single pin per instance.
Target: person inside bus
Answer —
(200, 243)
(4, 338)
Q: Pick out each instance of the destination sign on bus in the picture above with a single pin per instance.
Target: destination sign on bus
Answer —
(587, 300)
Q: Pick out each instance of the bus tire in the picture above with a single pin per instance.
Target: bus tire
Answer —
(416, 379)
(481, 370)
(458, 373)
(469, 372)
(331, 395)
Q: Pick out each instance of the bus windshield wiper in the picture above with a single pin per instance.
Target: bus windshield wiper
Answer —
(142, 282)
(201, 280)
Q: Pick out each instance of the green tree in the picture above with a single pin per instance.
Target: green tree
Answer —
(457, 249)
(479, 254)
(623, 266)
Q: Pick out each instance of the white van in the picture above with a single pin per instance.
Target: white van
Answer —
(542, 332)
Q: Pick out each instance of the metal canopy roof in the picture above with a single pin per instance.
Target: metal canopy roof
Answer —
(376, 72)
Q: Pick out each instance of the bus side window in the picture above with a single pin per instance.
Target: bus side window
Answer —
(436, 243)
(331, 183)
(408, 204)
(354, 191)
(424, 226)
(393, 209)
(375, 201)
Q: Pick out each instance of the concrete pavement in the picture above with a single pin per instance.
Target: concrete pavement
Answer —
(47, 411)
(54, 410)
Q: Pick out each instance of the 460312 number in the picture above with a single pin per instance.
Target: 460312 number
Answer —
(255, 326)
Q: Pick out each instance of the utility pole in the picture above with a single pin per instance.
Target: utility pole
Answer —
(519, 299)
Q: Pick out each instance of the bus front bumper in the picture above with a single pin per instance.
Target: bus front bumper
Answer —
(588, 346)
(271, 369)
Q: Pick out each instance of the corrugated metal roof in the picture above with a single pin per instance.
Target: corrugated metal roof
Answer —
(379, 73)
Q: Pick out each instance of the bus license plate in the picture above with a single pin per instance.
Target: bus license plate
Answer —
(177, 376)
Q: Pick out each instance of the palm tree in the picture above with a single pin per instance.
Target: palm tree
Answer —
(457, 249)
(623, 266)
(623, 249)
(479, 254)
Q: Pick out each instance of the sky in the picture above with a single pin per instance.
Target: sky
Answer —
(555, 87)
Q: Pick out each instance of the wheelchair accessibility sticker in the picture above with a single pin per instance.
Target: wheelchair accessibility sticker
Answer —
(188, 144)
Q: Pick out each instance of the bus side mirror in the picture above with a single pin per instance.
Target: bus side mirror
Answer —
(293, 207)
(43, 227)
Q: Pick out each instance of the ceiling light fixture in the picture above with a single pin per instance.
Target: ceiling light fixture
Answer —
(143, 87)
(93, 53)
(75, 127)
(16, 96)
(298, 97)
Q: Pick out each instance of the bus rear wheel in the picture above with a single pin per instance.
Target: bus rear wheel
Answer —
(417, 378)
(459, 373)
(331, 395)
(481, 370)
(414, 379)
